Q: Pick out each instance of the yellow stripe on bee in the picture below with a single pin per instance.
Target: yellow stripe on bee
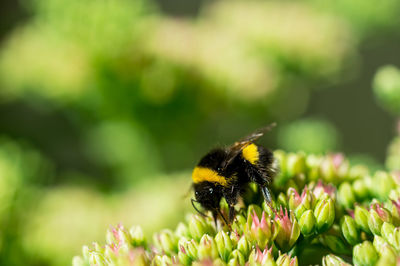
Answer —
(250, 153)
(201, 174)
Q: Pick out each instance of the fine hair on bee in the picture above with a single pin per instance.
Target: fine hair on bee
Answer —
(225, 172)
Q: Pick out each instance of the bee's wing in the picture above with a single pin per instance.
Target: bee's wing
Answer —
(238, 146)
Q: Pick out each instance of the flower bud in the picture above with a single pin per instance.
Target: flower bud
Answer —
(166, 241)
(361, 217)
(346, 195)
(336, 244)
(386, 184)
(281, 200)
(244, 246)
(307, 223)
(298, 212)
(333, 167)
(296, 164)
(321, 190)
(260, 231)
(189, 249)
(387, 232)
(198, 226)
(236, 258)
(350, 230)
(85, 252)
(332, 260)
(162, 260)
(181, 230)
(287, 230)
(251, 210)
(294, 198)
(137, 236)
(224, 245)
(364, 254)
(261, 258)
(377, 216)
(325, 214)
(360, 189)
(97, 258)
(285, 260)
(207, 248)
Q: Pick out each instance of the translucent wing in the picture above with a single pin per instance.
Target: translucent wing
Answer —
(238, 146)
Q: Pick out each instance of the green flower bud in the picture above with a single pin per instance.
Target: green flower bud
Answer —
(260, 230)
(98, 248)
(325, 214)
(332, 260)
(261, 258)
(184, 258)
(396, 239)
(336, 244)
(110, 253)
(386, 184)
(361, 217)
(307, 223)
(296, 164)
(350, 230)
(388, 255)
(198, 226)
(137, 236)
(360, 189)
(377, 216)
(287, 230)
(97, 258)
(313, 163)
(216, 262)
(298, 212)
(387, 232)
(181, 231)
(224, 245)
(188, 248)
(346, 195)
(236, 258)
(333, 167)
(285, 260)
(244, 246)
(166, 241)
(85, 252)
(364, 254)
(162, 260)
(281, 200)
(250, 213)
(207, 248)
(239, 224)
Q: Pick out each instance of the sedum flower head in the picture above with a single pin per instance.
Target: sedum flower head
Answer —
(339, 207)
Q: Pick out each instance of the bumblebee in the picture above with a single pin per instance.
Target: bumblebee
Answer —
(225, 172)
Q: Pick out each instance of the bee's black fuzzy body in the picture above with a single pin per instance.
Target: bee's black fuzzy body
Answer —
(225, 172)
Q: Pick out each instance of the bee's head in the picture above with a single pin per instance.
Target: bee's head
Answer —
(208, 195)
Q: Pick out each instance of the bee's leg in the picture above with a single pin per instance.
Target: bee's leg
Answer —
(231, 214)
(266, 193)
(215, 217)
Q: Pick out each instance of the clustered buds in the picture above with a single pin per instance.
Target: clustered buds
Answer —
(320, 200)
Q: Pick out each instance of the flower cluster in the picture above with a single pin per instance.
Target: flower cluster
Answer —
(339, 212)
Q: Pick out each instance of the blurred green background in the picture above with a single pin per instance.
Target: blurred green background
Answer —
(106, 105)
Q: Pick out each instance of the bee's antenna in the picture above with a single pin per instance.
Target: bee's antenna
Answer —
(193, 201)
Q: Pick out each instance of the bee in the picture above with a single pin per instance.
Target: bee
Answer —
(225, 172)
